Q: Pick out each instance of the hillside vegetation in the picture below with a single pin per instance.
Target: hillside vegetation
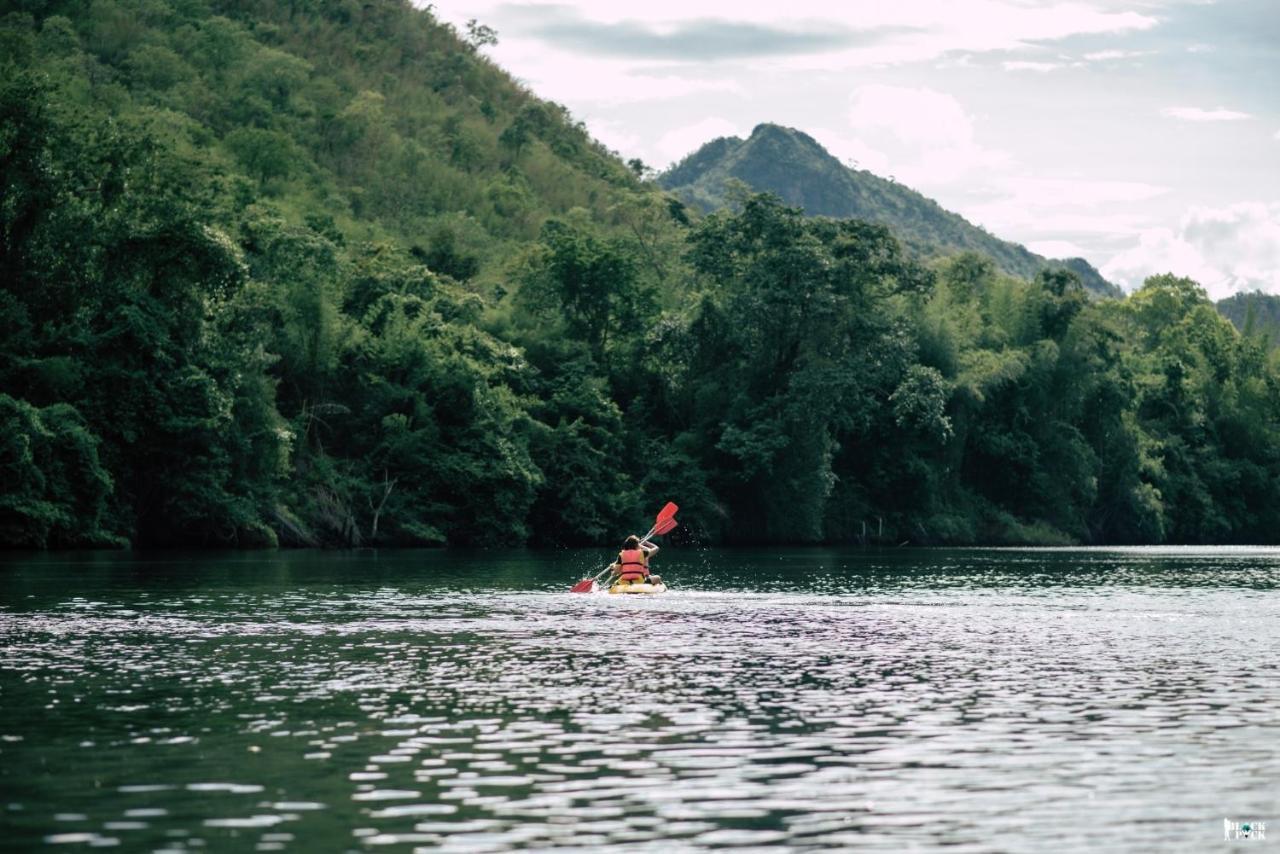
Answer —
(322, 274)
(793, 166)
(1254, 313)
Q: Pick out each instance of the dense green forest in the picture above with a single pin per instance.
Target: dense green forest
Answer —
(319, 273)
(793, 166)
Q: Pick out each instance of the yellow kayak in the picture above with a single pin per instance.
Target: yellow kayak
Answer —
(637, 587)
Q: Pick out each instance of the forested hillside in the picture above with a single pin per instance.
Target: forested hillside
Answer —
(792, 165)
(1254, 313)
(322, 274)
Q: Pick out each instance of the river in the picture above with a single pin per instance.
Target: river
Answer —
(980, 699)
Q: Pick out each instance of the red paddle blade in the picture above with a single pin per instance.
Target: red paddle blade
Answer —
(665, 527)
(666, 513)
(583, 586)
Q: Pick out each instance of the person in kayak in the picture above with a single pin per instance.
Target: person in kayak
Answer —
(633, 562)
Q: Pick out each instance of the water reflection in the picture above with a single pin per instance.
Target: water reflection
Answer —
(975, 698)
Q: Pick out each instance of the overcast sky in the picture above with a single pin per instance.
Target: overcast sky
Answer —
(1143, 135)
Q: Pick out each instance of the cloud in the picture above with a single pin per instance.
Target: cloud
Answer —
(1277, 135)
(852, 151)
(677, 143)
(1228, 249)
(1196, 114)
(1113, 55)
(1048, 222)
(926, 135)
(1037, 210)
(805, 33)
(697, 39)
(1040, 67)
(586, 85)
(616, 135)
(1065, 216)
(1056, 249)
(1078, 192)
(919, 116)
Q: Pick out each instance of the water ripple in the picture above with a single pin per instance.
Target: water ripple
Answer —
(977, 699)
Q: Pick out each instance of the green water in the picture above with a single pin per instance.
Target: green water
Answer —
(979, 699)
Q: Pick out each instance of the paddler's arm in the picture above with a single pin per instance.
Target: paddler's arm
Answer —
(649, 551)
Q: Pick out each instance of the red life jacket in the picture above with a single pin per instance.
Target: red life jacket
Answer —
(633, 565)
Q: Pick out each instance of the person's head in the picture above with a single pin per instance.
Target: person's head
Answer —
(631, 542)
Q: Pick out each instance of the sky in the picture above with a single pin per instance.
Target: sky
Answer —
(1142, 135)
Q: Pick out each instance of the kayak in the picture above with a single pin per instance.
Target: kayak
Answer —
(638, 587)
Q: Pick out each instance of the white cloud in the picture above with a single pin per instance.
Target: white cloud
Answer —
(862, 32)
(1037, 210)
(579, 81)
(1112, 55)
(917, 116)
(1277, 135)
(1056, 249)
(932, 28)
(677, 143)
(1032, 223)
(1229, 249)
(851, 151)
(1161, 250)
(1080, 192)
(927, 140)
(1196, 114)
(1039, 21)
(616, 135)
(926, 135)
(1040, 67)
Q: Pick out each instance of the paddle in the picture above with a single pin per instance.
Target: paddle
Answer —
(667, 512)
(662, 524)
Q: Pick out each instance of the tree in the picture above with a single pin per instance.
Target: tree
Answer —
(640, 169)
(116, 285)
(266, 155)
(592, 285)
(782, 354)
(55, 488)
(479, 35)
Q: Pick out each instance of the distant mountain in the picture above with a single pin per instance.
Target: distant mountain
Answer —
(792, 165)
(1254, 313)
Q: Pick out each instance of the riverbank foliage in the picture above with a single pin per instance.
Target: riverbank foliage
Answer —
(322, 274)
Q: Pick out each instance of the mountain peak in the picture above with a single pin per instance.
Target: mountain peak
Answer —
(769, 130)
(766, 130)
(794, 166)
(771, 134)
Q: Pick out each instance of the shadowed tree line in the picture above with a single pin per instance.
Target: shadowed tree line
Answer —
(321, 274)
